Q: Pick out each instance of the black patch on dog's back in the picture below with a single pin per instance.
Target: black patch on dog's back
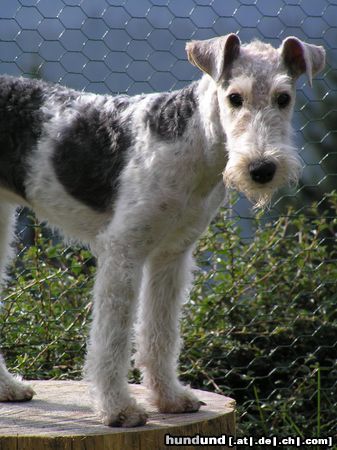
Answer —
(169, 113)
(20, 127)
(90, 155)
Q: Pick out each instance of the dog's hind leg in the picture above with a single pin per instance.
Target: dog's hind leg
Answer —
(166, 281)
(7, 214)
(11, 388)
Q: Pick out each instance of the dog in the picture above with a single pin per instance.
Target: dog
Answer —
(138, 180)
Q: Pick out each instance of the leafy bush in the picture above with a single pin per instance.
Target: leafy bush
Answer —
(261, 324)
(265, 322)
(46, 309)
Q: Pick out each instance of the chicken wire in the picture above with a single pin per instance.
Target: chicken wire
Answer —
(135, 46)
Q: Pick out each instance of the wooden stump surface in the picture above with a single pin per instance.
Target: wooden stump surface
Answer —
(60, 417)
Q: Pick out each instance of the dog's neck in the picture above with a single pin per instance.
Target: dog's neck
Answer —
(211, 131)
(209, 110)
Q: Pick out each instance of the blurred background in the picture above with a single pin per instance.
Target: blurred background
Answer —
(136, 46)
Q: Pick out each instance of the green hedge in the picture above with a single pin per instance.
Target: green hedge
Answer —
(261, 325)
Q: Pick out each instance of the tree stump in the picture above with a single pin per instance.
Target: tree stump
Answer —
(60, 417)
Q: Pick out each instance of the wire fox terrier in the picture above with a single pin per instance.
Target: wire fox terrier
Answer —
(138, 179)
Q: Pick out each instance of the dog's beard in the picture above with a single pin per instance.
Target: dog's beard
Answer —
(236, 175)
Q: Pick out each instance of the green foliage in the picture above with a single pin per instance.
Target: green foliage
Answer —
(261, 324)
(262, 321)
(45, 310)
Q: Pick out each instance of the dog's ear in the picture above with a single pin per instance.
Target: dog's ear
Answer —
(300, 57)
(214, 56)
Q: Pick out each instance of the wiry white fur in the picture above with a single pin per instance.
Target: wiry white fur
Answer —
(259, 131)
(259, 142)
(6, 230)
(163, 205)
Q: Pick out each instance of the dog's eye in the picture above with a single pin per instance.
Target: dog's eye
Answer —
(283, 100)
(236, 100)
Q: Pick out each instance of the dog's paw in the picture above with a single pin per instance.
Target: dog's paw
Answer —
(15, 391)
(131, 416)
(182, 402)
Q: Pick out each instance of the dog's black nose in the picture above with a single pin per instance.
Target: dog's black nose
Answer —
(262, 171)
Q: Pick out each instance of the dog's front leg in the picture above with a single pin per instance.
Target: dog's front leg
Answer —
(166, 281)
(115, 294)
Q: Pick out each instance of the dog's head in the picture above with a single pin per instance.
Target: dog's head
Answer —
(256, 95)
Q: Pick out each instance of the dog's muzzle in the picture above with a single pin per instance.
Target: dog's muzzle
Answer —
(262, 172)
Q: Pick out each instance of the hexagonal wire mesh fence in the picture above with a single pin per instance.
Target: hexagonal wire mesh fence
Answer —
(261, 322)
